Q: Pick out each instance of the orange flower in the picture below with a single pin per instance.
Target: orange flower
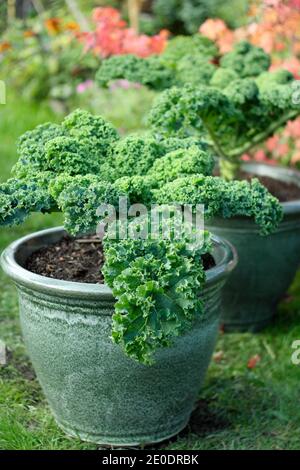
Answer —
(253, 10)
(253, 361)
(53, 25)
(216, 30)
(29, 34)
(5, 46)
(72, 26)
(213, 28)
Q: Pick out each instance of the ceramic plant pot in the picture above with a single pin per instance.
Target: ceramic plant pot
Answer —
(95, 392)
(267, 264)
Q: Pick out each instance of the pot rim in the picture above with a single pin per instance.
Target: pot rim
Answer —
(280, 173)
(22, 276)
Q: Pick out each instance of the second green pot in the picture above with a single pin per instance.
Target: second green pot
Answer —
(267, 264)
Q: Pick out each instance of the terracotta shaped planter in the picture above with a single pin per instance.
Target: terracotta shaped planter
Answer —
(267, 265)
(94, 390)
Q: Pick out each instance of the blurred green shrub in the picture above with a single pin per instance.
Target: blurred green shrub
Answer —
(185, 16)
(43, 59)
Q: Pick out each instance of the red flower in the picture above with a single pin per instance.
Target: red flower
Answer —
(113, 37)
(272, 143)
(294, 4)
(253, 361)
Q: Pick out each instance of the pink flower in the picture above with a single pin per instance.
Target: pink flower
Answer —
(260, 155)
(282, 149)
(272, 143)
(82, 87)
(124, 84)
(246, 157)
(294, 4)
(293, 129)
(271, 161)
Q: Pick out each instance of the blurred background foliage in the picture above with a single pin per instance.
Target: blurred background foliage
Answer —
(178, 16)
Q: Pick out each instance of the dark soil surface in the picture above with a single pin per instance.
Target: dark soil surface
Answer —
(282, 190)
(77, 260)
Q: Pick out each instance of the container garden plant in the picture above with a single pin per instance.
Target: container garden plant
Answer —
(193, 60)
(164, 70)
(233, 116)
(122, 355)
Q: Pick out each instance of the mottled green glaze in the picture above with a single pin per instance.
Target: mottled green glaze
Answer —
(94, 390)
(267, 265)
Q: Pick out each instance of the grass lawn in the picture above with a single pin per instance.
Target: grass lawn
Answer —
(239, 408)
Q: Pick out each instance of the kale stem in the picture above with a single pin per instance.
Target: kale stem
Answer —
(238, 151)
(229, 169)
(230, 162)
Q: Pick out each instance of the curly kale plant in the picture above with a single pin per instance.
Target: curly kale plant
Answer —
(232, 119)
(224, 199)
(78, 146)
(156, 284)
(232, 101)
(149, 71)
(185, 60)
(246, 60)
(77, 166)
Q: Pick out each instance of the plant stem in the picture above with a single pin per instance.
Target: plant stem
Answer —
(229, 169)
(11, 11)
(261, 137)
(230, 162)
(134, 9)
(78, 15)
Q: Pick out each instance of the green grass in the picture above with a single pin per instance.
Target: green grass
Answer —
(238, 408)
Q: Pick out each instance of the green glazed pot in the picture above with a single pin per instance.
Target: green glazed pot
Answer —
(267, 264)
(95, 392)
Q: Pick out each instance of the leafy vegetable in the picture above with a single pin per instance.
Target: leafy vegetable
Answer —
(225, 199)
(156, 284)
(134, 155)
(246, 60)
(182, 162)
(232, 119)
(185, 60)
(194, 69)
(180, 46)
(19, 198)
(78, 146)
(149, 71)
(82, 168)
